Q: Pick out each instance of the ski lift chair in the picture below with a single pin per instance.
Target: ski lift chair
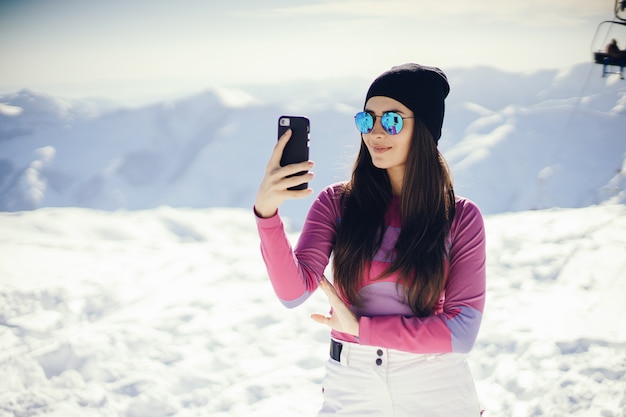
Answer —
(610, 64)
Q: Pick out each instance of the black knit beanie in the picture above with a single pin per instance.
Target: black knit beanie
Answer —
(422, 89)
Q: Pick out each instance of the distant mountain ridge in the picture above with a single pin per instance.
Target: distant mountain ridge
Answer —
(514, 141)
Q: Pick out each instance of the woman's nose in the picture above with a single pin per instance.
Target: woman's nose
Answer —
(378, 129)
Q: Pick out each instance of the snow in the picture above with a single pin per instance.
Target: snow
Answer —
(10, 111)
(131, 282)
(236, 98)
(168, 312)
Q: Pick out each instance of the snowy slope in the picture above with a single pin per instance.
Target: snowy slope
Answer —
(515, 142)
(168, 312)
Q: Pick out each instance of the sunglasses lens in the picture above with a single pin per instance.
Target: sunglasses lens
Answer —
(392, 122)
(364, 122)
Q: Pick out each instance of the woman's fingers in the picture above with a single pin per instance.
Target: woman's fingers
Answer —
(274, 166)
(285, 177)
(320, 318)
(292, 169)
(295, 180)
(279, 148)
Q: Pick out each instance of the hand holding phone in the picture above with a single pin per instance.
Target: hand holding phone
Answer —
(289, 161)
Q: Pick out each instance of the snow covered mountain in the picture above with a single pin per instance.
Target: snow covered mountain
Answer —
(514, 141)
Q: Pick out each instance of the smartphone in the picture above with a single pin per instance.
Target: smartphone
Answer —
(297, 149)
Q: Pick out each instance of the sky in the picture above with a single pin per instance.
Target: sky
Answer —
(144, 50)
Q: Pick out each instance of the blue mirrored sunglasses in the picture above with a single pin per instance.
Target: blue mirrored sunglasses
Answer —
(391, 121)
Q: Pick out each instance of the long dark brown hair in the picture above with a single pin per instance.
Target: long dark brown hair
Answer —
(427, 210)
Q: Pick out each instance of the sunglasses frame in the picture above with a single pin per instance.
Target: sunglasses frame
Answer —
(387, 129)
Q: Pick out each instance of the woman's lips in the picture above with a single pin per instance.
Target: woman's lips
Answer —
(380, 149)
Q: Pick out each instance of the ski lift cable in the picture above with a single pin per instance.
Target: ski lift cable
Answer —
(559, 145)
(575, 109)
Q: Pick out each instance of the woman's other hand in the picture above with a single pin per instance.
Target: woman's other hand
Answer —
(341, 318)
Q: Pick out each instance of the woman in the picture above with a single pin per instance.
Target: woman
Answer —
(408, 259)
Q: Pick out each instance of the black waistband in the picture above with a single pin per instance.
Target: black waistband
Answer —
(335, 350)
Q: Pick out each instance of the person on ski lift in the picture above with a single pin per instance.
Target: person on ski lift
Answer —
(613, 51)
(407, 291)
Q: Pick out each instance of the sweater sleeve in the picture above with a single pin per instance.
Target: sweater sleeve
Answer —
(454, 329)
(295, 273)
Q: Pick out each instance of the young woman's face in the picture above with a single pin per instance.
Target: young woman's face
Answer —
(388, 151)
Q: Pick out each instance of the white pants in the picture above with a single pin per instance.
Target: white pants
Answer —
(372, 381)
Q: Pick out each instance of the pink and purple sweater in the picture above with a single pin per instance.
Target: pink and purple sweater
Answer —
(385, 319)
